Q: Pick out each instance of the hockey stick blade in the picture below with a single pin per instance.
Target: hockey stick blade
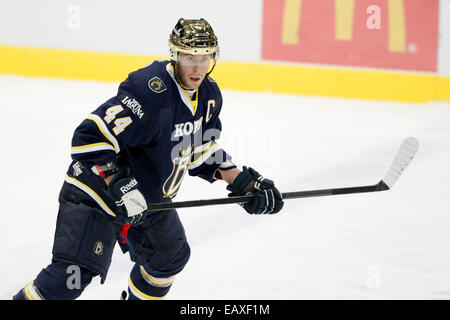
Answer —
(405, 154)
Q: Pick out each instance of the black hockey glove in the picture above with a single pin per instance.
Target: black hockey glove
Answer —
(123, 189)
(267, 198)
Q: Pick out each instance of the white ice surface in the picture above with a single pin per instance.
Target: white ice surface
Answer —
(387, 245)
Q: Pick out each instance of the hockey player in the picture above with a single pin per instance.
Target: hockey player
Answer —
(133, 150)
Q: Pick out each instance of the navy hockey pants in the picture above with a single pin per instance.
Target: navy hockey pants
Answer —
(84, 241)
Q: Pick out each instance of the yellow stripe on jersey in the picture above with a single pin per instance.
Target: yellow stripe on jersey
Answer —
(91, 193)
(104, 130)
(92, 147)
(140, 294)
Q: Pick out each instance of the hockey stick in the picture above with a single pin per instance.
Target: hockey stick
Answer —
(405, 154)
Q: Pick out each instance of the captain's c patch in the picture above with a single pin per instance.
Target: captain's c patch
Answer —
(156, 85)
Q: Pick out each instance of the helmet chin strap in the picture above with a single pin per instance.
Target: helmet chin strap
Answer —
(209, 72)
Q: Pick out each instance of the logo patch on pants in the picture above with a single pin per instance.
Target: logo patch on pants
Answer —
(98, 248)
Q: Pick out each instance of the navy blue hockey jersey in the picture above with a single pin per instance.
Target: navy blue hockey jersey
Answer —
(155, 128)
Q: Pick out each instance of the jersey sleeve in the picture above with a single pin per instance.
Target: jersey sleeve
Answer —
(210, 156)
(124, 121)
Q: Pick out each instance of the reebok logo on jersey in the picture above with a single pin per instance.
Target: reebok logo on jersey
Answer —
(156, 85)
(134, 105)
(124, 189)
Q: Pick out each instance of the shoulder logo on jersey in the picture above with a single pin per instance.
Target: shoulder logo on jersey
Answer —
(156, 85)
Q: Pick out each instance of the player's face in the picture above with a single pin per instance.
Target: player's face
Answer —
(193, 69)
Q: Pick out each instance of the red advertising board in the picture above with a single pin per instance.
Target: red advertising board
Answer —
(393, 34)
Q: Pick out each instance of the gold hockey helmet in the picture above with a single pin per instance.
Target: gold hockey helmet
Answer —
(195, 37)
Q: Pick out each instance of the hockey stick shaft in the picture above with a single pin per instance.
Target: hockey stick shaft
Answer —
(288, 195)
